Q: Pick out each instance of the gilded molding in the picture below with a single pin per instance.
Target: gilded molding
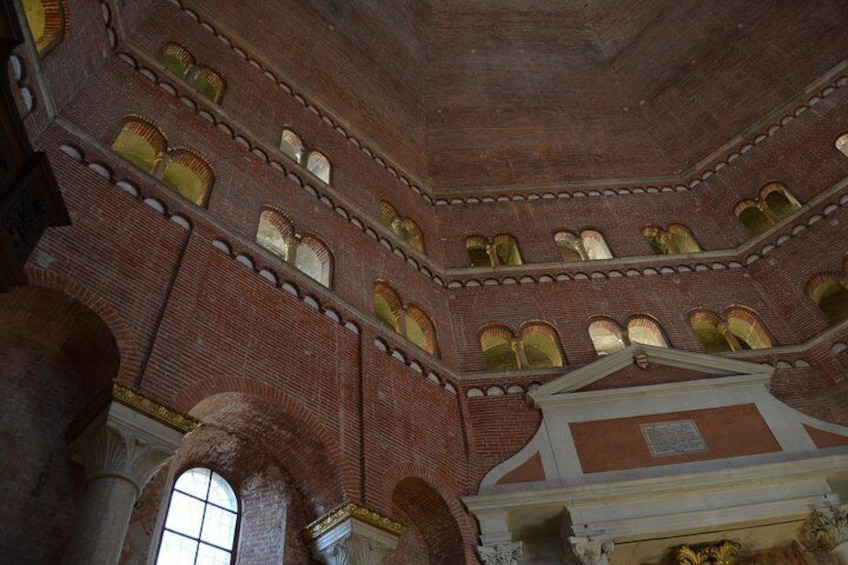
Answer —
(350, 510)
(138, 402)
(149, 407)
(722, 553)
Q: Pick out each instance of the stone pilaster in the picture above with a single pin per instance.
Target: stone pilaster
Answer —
(592, 550)
(826, 531)
(502, 554)
(122, 440)
(352, 535)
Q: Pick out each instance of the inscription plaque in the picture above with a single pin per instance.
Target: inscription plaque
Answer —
(673, 438)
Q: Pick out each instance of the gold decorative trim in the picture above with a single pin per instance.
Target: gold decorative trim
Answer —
(722, 553)
(350, 510)
(149, 407)
(135, 400)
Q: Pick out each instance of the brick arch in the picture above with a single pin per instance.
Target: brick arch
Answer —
(281, 222)
(595, 244)
(755, 325)
(395, 476)
(196, 184)
(417, 314)
(323, 255)
(319, 165)
(388, 295)
(388, 214)
(209, 82)
(510, 244)
(291, 143)
(49, 22)
(604, 331)
(817, 281)
(494, 339)
(177, 58)
(650, 325)
(130, 357)
(142, 142)
(546, 338)
(313, 456)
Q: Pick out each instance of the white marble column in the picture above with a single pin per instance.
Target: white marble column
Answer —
(121, 447)
(352, 535)
(502, 554)
(826, 530)
(592, 550)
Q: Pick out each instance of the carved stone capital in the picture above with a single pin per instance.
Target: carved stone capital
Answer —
(502, 554)
(592, 550)
(352, 535)
(825, 529)
(120, 440)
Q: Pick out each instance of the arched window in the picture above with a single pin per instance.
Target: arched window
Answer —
(676, 239)
(200, 527)
(49, 22)
(274, 233)
(747, 328)
(829, 294)
(177, 59)
(420, 329)
(506, 250)
(606, 335)
(645, 330)
(711, 330)
(291, 145)
(208, 82)
(477, 247)
(189, 174)
(308, 254)
(657, 239)
(539, 342)
(842, 144)
(752, 217)
(318, 164)
(387, 306)
(404, 228)
(779, 200)
(142, 143)
(682, 239)
(499, 352)
(411, 322)
(740, 329)
(570, 246)
(595, 245)
(389, 217)
(590, 246)
(314, 259)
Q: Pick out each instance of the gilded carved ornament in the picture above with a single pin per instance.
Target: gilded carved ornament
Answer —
(722, 553)
(350, 510)
(826, 528)
(138, 402)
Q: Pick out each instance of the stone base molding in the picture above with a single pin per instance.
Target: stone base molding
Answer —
(352, 535)
(592, 550)
(122, 439)
(503, 554)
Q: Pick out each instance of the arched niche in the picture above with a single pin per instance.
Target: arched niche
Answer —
(432, 536)
(57, 355)
(277, 463)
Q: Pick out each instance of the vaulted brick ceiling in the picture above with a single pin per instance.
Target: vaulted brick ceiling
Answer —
(493, 93)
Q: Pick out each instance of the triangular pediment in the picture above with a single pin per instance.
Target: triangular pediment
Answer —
(619, 368)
